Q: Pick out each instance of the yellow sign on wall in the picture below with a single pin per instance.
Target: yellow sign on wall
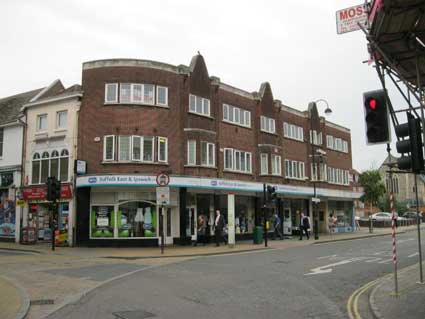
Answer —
(20, 202)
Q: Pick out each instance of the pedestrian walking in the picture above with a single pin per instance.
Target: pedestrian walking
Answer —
(201, 230)
(332, 224)
(218, 227)
(276, 225)
(304, 226)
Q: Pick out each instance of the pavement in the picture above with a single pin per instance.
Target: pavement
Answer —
(37, 281)
(408, 303)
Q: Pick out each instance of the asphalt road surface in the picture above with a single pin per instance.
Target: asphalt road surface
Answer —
(307, 282)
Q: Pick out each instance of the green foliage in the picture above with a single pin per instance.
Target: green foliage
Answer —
(373, 186)
(384, 205)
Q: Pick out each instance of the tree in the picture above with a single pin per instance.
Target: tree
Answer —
(384, 205)
(373, 187)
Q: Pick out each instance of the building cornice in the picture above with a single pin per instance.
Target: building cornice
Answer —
(52, 100)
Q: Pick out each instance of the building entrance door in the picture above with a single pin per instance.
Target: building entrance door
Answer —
(287, 221)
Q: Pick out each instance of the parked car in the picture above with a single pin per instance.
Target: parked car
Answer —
(411, 215)
(382, 216)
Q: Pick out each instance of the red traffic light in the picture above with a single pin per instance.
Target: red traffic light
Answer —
(372, 104)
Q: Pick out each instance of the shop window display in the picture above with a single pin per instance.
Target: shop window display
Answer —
(102, 221)
(136, 219)
(7, 216)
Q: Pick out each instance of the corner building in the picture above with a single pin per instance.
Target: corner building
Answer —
(219, 144)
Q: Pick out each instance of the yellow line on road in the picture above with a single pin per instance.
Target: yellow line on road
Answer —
(352, 304)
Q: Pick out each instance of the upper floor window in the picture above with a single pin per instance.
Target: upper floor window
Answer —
(322, 172)
(41, 122)
(237, 161)
(315, 137)
(54, 164)
(199, 105)
(276, 165)
(264, 164)
(61, 119)
(293, 131)
(236, 115)
(294, 169)
(1, 141)
(111, 93)
(136, 93)
(338, 176)
(135, 148)
(207, 154)
(336, 143)
(268, 124)
(191, 152)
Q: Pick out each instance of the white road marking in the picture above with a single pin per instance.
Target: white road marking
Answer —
(324, 257)
(372, 260)
(412, 255)
(327, 268)
(386, 261)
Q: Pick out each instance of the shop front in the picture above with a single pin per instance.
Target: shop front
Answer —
(38, 212)
(344, 212)
(7, 207)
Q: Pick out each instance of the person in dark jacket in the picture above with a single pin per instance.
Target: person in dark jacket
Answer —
(304, 226)
(277, 225)
(218, 227)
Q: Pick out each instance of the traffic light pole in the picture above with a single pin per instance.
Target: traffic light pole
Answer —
(421, 278)
(265, 215)
(53, 223)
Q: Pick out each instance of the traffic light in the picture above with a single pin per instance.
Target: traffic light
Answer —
(415, 160)
(271, 193)
(53, 189)
(376, 117)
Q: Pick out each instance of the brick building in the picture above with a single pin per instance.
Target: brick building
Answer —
(219, 144)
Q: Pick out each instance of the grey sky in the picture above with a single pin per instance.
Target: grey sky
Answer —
(292, 44)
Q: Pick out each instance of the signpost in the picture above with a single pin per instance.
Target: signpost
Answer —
(348, 19)
(162, 199)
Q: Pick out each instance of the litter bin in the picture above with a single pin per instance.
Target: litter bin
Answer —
(28, 235)
(258, 235)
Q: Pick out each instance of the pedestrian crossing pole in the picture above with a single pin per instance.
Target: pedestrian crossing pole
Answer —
(394, 241)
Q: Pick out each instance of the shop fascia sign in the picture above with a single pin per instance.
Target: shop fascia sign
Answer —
(40, 192)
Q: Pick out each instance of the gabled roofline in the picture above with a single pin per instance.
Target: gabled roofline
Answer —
(43, 91)
(51, 100)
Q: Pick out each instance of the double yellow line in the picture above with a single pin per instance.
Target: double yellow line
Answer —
(353, 301)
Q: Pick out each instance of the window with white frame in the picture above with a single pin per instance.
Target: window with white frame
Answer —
(162, 95)
(162, 149)
(267, 124)
(264, 165)
(336, 143)
(109, 148)
(41, 122)
(136, 148)
(55, 164)
(111, 93)
(236, 115)
(61, 119)
(276, 165)
(124, 148)
(148, 149)
(136, 93)
(293, 131)
(294, 169)
(207, 154)
(338, 176)
(315, 137)
(345, 146)
(237, 161)
(191, 152)
(329, 141)
(199, 105)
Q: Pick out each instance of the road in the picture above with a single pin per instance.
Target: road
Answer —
(312, 281)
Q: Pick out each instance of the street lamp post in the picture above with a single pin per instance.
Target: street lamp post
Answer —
(315, 169)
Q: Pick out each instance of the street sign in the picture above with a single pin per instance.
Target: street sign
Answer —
(347, 19)
(20, 202)
(315, 200)
(163, 195)
(162, 179)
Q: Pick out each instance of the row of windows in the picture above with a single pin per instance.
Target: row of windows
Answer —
(293, 131)
(322, 173)
(315, 137)
(394, 185)
(338, 176)
(50, 164)
(135, 148)
(294, 169)
(336, 143)
(236, 115)
(237, 161)
(61, 121)
(137, 93)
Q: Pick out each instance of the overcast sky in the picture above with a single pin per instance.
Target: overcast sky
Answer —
(292, 44)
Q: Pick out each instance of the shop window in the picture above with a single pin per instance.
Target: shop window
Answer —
(44, 167)
(191, 152)
(36, 163)
(162, 149)
(64, 166)
(137, 219)
(108, 148)
(102, 221)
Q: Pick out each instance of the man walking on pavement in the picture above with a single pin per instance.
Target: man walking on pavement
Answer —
(218, 227)
(304, 226)
(276, 225)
